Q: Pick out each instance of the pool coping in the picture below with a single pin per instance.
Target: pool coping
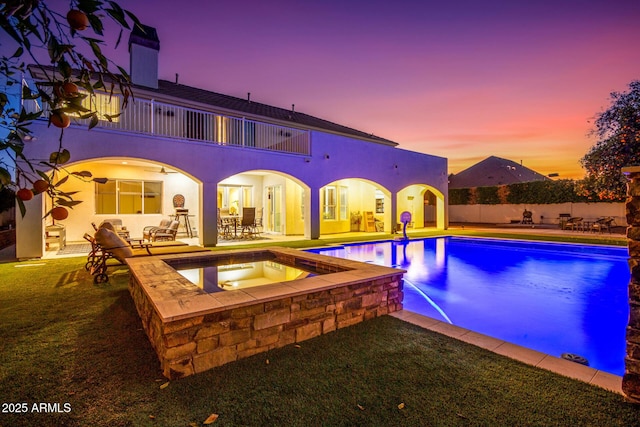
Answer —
(535, 358)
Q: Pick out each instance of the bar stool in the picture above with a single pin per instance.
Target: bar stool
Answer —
(181, 212)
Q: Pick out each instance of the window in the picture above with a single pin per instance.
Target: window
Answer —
(129, 197)
(379, 202)
(235, 197)
(329, 202)
(344, 205)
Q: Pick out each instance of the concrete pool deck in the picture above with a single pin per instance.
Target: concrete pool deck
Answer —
(531, 357)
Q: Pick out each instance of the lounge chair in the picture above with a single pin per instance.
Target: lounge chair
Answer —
(115, 224)
(573, 223)
(602, 224)
(107, 245)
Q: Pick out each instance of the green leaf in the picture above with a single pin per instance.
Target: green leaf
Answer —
(84, 174)
(5, 176)
(18, 53)
(96, 24)
(94, 121)
(60, 157)
(23, 209)
(68, 195)
(68, 203)
(117, 13)
(43, 175)
(62, 181)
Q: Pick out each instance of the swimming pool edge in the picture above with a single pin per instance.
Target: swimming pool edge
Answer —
(535, 358)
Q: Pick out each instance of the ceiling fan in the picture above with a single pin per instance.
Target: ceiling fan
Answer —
(162, 171)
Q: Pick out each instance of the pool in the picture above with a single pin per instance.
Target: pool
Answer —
(551, 297)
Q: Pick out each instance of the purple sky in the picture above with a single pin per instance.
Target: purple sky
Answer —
(458, 79)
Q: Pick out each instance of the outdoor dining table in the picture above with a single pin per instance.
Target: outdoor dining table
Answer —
(235, 220)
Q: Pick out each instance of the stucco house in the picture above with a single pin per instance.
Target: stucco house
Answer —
(305, 175)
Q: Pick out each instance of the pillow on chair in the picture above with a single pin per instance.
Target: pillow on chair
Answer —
(108, 225)
(110, 241)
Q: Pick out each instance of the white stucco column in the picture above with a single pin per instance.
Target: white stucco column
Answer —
(312, 212)
(30, 229)
(209, 214)
(395, 219)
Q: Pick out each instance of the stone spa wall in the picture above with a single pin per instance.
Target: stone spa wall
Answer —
(192, 332)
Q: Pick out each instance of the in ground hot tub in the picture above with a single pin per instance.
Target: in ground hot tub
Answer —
(198, 324)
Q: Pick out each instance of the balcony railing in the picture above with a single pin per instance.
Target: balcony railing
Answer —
(173, 121)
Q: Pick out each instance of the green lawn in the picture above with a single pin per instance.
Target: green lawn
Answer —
(66, 340)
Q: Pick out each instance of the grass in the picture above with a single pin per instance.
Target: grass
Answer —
(66, 340)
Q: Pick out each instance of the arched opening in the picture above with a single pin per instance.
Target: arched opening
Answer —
(280, 201)
(354, 205)
(426, 205)
(136, 192)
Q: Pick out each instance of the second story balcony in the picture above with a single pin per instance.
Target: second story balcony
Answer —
(161, 119)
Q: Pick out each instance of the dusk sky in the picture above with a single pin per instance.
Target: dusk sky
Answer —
(459, 79)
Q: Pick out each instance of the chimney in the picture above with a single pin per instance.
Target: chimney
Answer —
(144, 46)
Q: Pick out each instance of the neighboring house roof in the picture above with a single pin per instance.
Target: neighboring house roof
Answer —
(494, 171)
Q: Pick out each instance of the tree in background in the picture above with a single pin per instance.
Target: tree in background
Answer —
(37, 31)
(618, 133)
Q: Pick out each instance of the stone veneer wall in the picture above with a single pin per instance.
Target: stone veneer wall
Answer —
(189, 346)
(631, 378)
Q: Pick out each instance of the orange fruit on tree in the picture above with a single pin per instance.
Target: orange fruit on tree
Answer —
(40, 186)
(60, 120)
(77, 20)
(24, 194)
(59, 213)
(69, 90)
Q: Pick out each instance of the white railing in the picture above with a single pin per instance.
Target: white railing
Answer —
(173, 121)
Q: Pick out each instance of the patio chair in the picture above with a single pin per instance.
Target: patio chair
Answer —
(107, 245)
(602, 224)
(562, 219)
(258, 221)
(224, 227)
(527, 217)
(248, 223)
(146, 232)
(573, 223)
(164, 234)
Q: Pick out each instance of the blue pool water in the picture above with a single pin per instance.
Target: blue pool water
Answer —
(551, 297)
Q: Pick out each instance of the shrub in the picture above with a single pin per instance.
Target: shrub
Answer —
(534, 192)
